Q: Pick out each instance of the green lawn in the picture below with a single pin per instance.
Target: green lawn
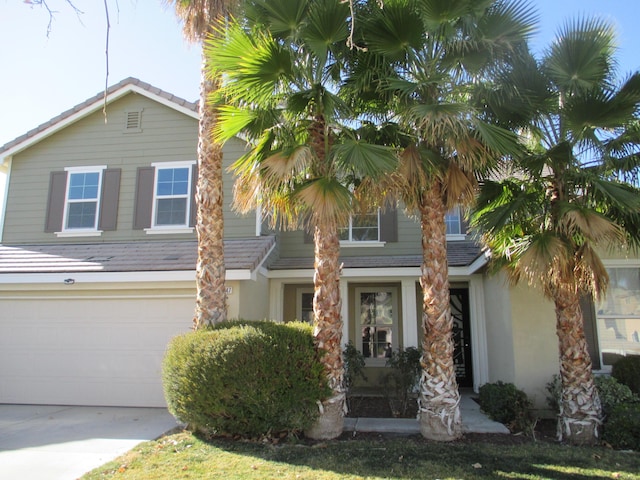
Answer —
(185, 456)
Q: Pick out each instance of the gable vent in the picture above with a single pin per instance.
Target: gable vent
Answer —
(133, 121)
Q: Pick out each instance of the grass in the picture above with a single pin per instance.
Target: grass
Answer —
(186, 456)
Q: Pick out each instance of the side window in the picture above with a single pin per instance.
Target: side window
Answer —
(83, 201)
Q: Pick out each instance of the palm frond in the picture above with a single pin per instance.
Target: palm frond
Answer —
(581, 57)
(327, 200)
(365, 159)
(581, 221)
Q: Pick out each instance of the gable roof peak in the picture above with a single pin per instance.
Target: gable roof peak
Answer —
(92, 104)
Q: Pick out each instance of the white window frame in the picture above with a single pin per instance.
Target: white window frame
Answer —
(81, 232)
(361, 243)
(600, 329)
(395, 325)
(456, 236)
(180, 228)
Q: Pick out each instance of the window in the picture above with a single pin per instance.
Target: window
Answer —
(362, 228)
(82, 199)
(618, 315)
(171, 205)
(453, 221)
(304, 305)
(377, 322)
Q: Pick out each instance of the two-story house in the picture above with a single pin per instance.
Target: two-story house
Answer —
(98, 251)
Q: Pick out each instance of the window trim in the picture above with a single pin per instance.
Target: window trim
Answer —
(395, 325)
(171, 229)
(362, 243)
(611, 264)
(82, 232)
(456, 236)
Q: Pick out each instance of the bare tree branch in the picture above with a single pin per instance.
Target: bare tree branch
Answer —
(52, 13)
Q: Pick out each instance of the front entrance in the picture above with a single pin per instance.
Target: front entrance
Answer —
(461, 336)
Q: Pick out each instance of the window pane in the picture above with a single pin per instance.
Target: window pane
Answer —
(307, 308)
(82, 215)
(618, 315)
(377, 342)
(623, 296)
(364, 228)
(452, 219)
(83, 186)
(173, 181)
(171, 211)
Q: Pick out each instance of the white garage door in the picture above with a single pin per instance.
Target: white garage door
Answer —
(94, 351)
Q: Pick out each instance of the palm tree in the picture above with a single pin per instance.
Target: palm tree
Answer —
(438, 51)
(547, 224)
(282, 67)
(197, 17)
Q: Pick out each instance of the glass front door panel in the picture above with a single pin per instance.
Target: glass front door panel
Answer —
(377, 325)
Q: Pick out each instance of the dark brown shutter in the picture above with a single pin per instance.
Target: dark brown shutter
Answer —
(109, 199)
(590, 332)
(389, 225)
(193, 207)
(144, 198)
(55, 202)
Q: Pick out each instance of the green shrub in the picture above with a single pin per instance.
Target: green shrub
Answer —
(612, 392)
(245, 378)
(622, 429)
(627, 371)
(505, 403)
(354, 364)
(403, 379)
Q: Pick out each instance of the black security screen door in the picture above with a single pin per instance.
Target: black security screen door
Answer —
(461, 336)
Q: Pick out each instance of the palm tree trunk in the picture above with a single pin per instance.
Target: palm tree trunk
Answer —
(327, 332)
(211, 297)
(439, 401)
(580, 409)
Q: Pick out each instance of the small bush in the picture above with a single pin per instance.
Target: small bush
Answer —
(612, 393)
(622, 429)
(505, 403)
(403, 379)
(354, 364)
(627, 371)
(245, 378)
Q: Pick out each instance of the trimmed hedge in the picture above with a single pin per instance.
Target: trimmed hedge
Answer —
(505, 403)
(244, 378)
(622, 429)
(627, 371)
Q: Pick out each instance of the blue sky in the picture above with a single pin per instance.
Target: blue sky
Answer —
(42, 76)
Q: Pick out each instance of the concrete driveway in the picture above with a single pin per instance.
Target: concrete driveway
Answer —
(63, 443)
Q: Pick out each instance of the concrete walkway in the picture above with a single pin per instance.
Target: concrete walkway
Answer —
(473, 421)
(42, 442)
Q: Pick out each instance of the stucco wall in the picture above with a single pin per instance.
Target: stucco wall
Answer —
(500, 351)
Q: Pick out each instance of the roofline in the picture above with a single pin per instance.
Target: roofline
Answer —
(93, 104)
(374, 272)
(114, 277)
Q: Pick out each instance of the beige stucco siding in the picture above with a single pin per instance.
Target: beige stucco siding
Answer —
(167, 136)
(521, 339)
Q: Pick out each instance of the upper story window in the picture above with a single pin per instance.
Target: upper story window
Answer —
(172, 187)
(362, 228)
(82, 199)
(171, 205)
(453, 220)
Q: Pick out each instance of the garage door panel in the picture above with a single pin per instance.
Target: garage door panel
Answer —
(88, 352)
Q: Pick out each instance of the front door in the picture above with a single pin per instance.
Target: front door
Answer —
(461, 336)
